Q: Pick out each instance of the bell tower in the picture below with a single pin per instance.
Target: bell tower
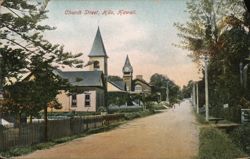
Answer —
(127, 74)
(98, 56)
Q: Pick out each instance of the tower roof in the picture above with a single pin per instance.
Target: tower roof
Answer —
(98, 49)
(127, 66)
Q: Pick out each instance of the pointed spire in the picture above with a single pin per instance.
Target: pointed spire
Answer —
(127, 62)
(127, 66)
(98, 49)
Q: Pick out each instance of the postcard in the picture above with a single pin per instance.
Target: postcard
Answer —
(124, 79)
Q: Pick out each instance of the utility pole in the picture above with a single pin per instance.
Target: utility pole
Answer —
(1, 87)
(197, 97)
(193, 94)
(206, 89)
(167, 100)
(241, 73)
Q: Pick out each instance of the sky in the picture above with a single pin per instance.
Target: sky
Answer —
(146, 34)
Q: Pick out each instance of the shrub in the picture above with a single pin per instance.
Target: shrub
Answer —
(130, 116)
(121, 109)
(241, 137)
(214, 144)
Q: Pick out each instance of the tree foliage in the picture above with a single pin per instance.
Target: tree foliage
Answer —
(114, 78)
(207, 21)
(187, 90)
(22, 39)
(24, 49)
(219, 29)
(161, 81)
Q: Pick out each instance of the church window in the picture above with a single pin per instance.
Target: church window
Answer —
(74, 100)
(96, 65)
(87, 100)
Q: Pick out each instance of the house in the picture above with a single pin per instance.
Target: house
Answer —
(140, 86)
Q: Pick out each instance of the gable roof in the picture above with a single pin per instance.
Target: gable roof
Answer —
(119, 84)
(82, 78)
(98, 49)
(128, 65)
(141, 80)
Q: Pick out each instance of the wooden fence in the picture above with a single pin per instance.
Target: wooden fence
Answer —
(28, 134)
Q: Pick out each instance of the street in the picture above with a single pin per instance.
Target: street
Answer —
(172, 134)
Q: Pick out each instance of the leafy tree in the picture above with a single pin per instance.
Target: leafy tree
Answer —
(25, 49)
(114, 78)
(225, 71)
(160, 81)
(206, 22)
(218, 29)
(22, 39)
(187, 90)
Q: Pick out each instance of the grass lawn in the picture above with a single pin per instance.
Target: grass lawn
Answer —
(215, 143)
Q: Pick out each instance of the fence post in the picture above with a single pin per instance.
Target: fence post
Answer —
(87, 124)
(1, 138)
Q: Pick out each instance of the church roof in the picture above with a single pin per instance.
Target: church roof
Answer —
(98, 49)
(119, 84)
(128, 65)
(82, 78)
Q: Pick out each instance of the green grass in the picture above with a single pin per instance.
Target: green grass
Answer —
(215, 144)
(201, 119)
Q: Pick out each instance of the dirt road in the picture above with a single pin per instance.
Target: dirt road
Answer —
(169, 135)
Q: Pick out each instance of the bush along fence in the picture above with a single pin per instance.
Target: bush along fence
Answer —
(28, 134)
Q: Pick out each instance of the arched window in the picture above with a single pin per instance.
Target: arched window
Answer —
(96, 65)
(138, 88)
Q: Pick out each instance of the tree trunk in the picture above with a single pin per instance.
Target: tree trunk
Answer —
(45, 124)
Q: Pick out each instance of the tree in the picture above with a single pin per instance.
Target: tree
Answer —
(161, 81)
(220, 34)
(158, 80)
(187, 90)
(114, 78)
(22, 39)
(25, 49)
(207, 19)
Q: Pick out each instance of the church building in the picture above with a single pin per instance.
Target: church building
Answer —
(92, 86)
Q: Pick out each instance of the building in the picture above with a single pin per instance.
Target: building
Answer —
(89, 91)
(98, 59)
(90, 86)
(137, 85)
(141, 86)
(128, 74)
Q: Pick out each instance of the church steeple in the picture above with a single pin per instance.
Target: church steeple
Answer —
(98, 49)
(98, 58)
(128, 74)
(127, 68)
